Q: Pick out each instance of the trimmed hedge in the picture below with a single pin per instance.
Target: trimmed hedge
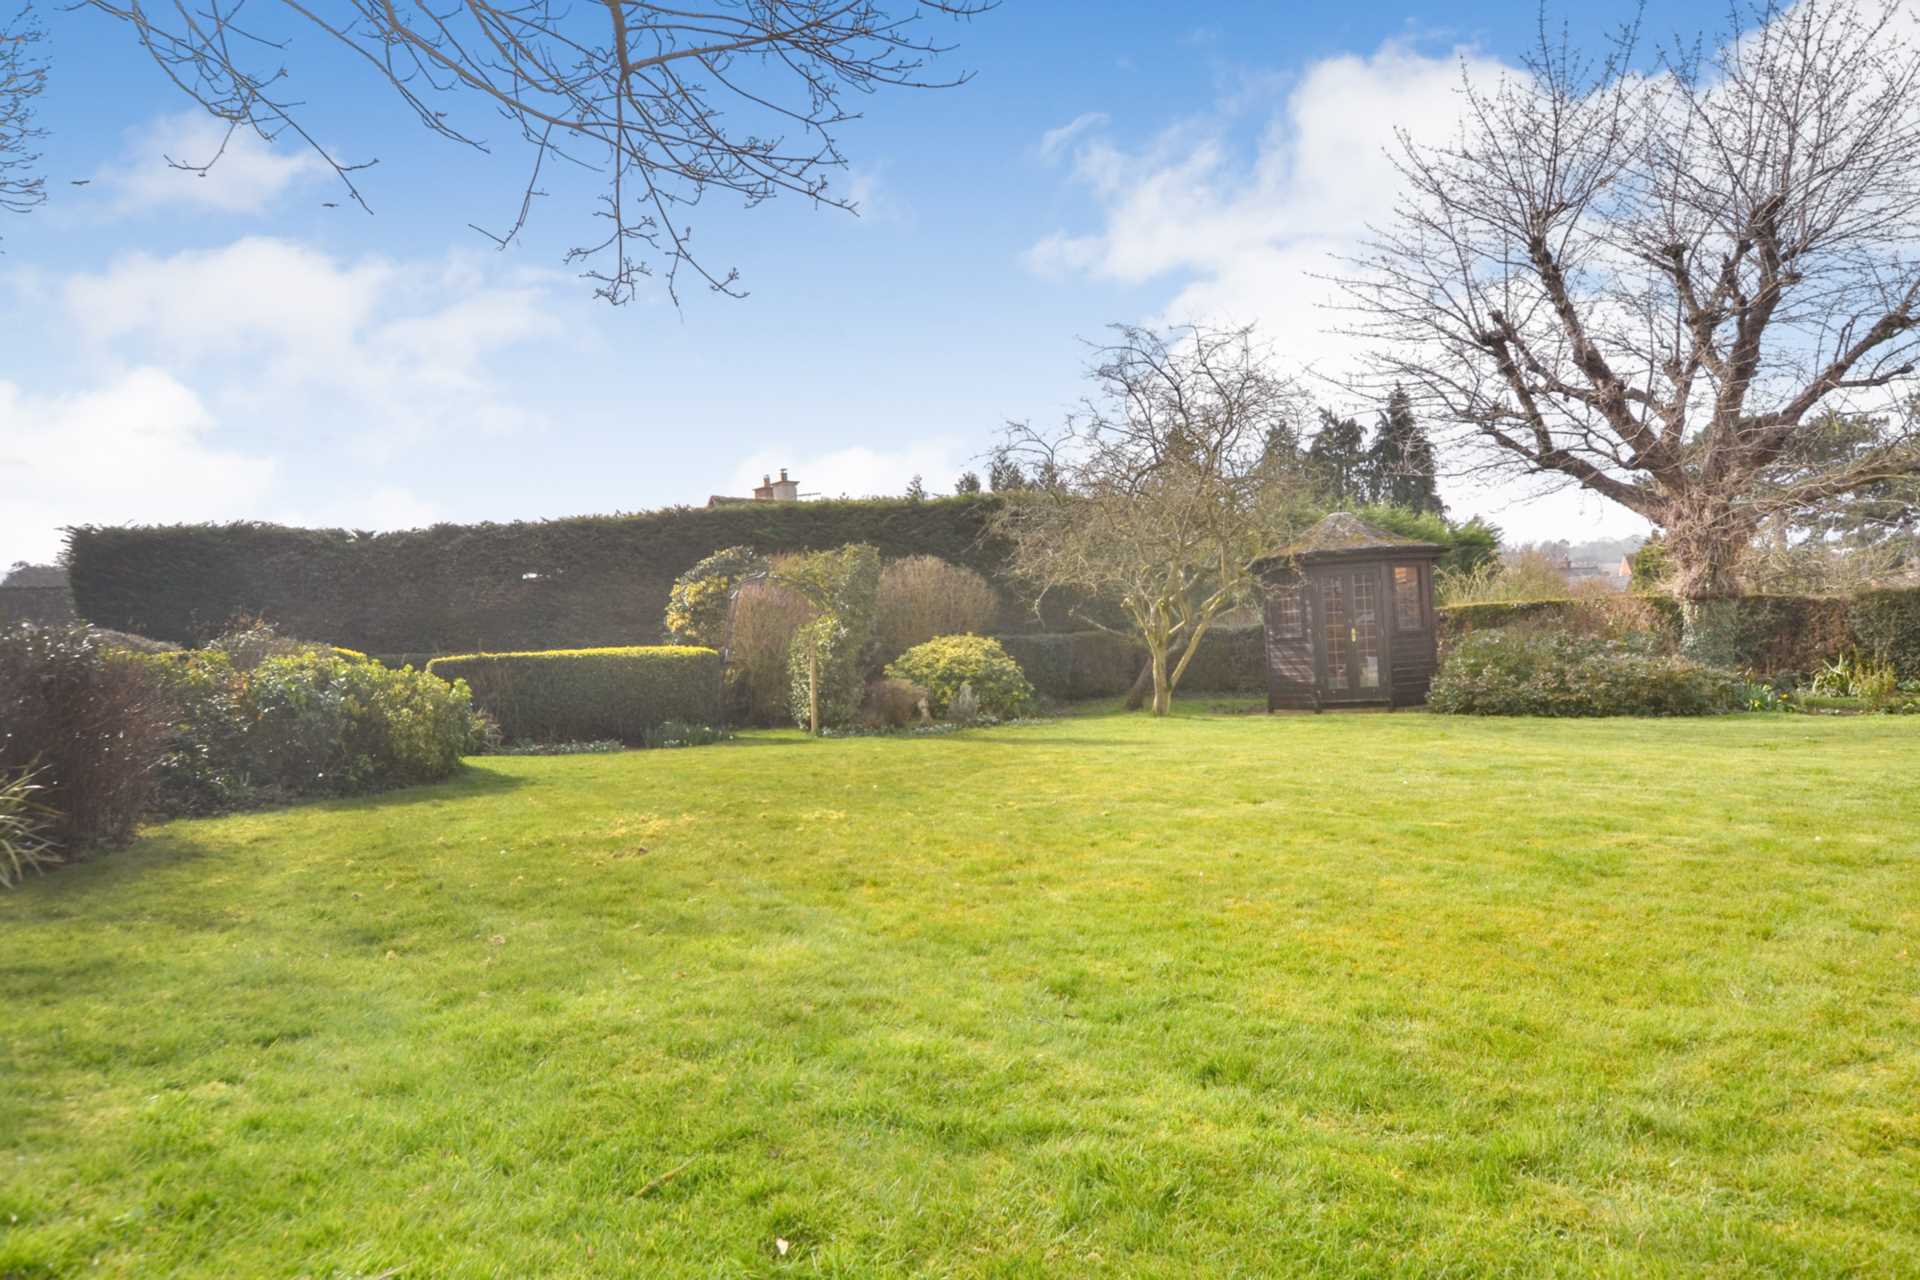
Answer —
(1071, 665)
(584, 581)
(1464, 619)
(582, 695)
(40, 606)
(1886, 627)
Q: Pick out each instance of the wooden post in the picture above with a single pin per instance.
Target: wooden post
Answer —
(813, 689)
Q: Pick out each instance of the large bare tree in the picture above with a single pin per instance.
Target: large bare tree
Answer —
(1161, 489)
(668, 103)
(1653, 278)
(23, 75)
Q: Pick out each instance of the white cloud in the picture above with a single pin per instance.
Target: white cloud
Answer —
(385, 354)
(244, 382)
(877, 200)
(136, 449)
(248, 177)
(1055, 141)
(1247, 234)
(858, 472)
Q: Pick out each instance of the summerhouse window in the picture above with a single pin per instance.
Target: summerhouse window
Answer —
(1406, 597)
(1288, 623)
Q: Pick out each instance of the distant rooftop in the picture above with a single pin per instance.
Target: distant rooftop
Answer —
(769, 490)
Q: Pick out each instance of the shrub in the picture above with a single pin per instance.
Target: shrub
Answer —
(308, 722)
(943, 664)
(25, 824)
(1852, 676)
(321, 724)
(891, 703)
(824, 665)
(248, 642)
(1524, 673)
(765, 617)
(827, 660)
(206, 768)
(921, 597)
(88, 718)
(562, 695)
(699, 601)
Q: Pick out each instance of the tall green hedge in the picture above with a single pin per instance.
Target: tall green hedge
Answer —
(585, 581)
(1886, 627)
(582, 695)
(1070, 665)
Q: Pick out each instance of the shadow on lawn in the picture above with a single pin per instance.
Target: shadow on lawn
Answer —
(472, 780)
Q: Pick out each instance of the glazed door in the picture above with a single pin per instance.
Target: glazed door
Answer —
(1353, 666)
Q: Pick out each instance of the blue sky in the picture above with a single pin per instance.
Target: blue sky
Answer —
(178, 348)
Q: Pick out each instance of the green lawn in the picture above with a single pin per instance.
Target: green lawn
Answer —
(1227, 995)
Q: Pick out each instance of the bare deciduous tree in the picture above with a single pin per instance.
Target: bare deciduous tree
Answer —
(22, 78)
(1651, 283)
(1160, 490)
(668, 102)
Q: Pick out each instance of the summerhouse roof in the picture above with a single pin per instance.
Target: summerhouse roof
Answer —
(1346, 536)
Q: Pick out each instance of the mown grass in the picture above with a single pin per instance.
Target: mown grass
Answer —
(1230, 995)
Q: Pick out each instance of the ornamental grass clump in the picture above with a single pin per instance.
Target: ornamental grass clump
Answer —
(25, 844)
(921, 597)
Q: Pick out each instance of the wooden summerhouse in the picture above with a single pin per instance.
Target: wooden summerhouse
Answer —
(1349, 618)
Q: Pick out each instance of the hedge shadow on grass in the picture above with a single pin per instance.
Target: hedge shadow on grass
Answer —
(470, 781)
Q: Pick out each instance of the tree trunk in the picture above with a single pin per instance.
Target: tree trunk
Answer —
(1162, 691)
(1706, 538)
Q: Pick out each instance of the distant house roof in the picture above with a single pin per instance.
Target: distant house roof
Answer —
(722, 499)
(1344, 535)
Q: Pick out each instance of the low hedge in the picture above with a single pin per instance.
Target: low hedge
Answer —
(1465, 619)
(580, 695)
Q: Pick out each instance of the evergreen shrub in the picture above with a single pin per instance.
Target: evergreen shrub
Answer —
(942, 665)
